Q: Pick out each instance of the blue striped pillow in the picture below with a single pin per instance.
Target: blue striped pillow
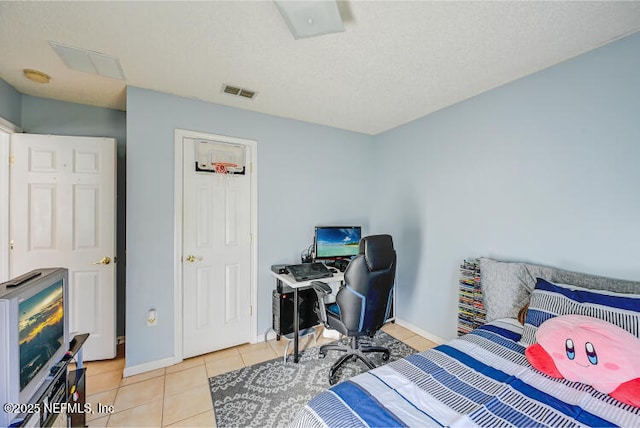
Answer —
(549, 300)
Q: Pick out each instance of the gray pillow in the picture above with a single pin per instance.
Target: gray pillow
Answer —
(506, 288)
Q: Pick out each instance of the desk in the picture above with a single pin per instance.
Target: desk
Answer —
(288, 280)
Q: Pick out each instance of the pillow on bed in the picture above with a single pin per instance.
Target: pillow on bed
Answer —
(591, 351)
(549, 300)
(504, 288)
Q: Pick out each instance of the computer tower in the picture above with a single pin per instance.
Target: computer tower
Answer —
(282, 305)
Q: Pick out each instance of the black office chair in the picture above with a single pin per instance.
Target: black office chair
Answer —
(362, 303)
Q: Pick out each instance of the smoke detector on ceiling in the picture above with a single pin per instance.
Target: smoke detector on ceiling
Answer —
(238, 91)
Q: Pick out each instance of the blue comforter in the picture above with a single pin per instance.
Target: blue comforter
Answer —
(481, 379)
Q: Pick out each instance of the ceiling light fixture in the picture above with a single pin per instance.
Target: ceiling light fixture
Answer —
(88, 61)
(36, 76)
(311, 18)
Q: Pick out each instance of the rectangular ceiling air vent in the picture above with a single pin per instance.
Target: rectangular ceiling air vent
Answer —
(238, 91)
(88, 61)
(231, 90)
(247, 94)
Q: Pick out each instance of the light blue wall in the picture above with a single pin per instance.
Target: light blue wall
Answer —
(10, 103)
(46, 116)
(307, 175)
(545, 169)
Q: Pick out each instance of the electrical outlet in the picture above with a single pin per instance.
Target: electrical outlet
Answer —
(152, 318)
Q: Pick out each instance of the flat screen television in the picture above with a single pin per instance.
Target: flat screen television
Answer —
(34, 331)
(336, 242)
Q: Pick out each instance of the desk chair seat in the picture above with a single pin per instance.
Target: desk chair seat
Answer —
(362, 303)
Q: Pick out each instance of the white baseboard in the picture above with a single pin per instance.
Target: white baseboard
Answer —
(166, 362)
(151, 365)
(417, 330)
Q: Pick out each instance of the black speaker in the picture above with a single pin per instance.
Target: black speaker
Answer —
(282, 306)
(279, 269)
(342, 264)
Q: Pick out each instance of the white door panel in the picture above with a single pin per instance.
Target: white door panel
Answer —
(217, 278)
(63, 215)
(4, 203)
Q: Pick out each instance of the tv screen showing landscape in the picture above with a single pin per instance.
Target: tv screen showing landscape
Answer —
(41, 330)
(337, 242)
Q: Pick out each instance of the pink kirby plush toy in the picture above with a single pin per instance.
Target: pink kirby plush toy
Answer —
(591, 351)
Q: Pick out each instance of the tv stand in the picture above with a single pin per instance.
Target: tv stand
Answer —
(60, 401)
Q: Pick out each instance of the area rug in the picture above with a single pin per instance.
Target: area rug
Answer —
(270, 394)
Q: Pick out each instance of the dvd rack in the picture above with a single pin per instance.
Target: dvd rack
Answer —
(471, 311)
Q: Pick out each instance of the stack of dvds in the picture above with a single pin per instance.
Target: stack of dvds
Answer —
(471, 312)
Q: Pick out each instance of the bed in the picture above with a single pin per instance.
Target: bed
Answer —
(484, 378)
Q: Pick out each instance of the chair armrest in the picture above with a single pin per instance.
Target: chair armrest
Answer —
(321, 288)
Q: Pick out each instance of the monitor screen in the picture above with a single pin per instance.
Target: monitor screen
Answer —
(41, 330)
(337, 241)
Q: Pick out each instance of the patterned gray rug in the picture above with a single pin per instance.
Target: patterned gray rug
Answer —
(269, 394)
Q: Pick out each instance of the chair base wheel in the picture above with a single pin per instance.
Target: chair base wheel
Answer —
(352, 352)
(333, 376)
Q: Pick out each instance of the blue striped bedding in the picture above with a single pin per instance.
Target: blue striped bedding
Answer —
(480, 379)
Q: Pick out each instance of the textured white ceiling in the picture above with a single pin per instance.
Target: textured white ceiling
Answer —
(395, 62)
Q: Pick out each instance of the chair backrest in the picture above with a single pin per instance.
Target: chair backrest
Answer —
(366, 299)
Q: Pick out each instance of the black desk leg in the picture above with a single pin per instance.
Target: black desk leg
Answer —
(296, 326)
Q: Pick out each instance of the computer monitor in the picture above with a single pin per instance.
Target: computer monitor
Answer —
(335, 242)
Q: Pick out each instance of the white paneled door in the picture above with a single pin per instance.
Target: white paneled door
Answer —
(216, 257)
(63, 215)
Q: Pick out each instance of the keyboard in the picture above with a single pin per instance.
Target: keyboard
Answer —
(309, 271)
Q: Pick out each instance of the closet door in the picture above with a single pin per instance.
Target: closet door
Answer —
(4, 204)
(216, 259)
(62, 197)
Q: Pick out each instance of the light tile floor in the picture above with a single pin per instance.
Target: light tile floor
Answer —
(179, 395)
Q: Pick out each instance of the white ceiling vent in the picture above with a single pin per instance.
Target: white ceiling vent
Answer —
(89, 61)
(238, 91)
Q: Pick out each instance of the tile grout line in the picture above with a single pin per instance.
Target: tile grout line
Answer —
(189, 417)
(164, 389)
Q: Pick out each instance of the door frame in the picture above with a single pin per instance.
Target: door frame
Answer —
(252, 146)
(6, 129)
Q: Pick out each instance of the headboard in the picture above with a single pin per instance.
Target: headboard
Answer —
(507, 286)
